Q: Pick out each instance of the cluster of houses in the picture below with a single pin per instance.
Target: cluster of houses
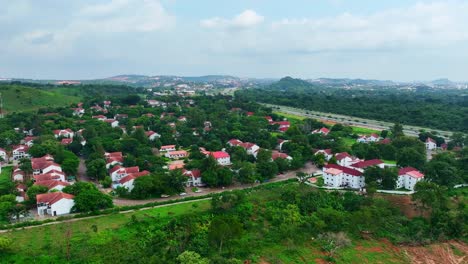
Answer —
(348, 171)
(45, 172)
(283, 126)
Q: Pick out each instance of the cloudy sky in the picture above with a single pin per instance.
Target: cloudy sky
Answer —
(398, 39)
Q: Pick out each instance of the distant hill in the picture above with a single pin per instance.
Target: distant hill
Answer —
(345, 81)
(22, 98)
(289, 83)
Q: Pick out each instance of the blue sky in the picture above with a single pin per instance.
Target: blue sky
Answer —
(398, 40)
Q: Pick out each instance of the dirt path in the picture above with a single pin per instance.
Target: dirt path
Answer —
(82, 175)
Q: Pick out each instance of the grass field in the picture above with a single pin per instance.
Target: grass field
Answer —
(6, 173)
(289, 116)
(38, 240)
(364, 131)
(361, 251)
(21, 98)
(389, 161)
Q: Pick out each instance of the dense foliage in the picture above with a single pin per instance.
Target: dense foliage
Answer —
(441, 109)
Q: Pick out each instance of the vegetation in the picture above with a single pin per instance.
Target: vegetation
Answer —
(441, 109)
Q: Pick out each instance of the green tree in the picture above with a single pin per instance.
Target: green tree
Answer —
(33, 191)
(91, 200)
(410, 157)
(247, 173)
(96, 169)
(190, 257)
(223, 229)
(397, 130)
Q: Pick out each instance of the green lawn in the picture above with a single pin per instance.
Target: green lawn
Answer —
(21, 98)
(349, 141)
(6, 173)
(364, 131)
(290, 117)
(36, 240)
(389, 161)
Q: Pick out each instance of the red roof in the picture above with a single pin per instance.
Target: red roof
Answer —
(412, 172)
(430, 140)
(51, 198)
(219, 154)
(192, 173)
(62, 131)
(250, 113)
(385, 141)
(342, 155)
(132, 176)
(66, 141)
(51, 183)
(276, 154)
(367, 163)
(168, 147)
(234, 142)
(374, 135)
(56, 176)
(246, 145)
(344, 169)
(405, 170)
(326, 151)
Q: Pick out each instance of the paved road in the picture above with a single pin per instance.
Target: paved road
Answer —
(355, 121)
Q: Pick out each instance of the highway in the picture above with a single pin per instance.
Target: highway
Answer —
(355, 121)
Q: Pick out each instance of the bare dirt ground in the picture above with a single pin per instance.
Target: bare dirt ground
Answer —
(452, 252)
(404, 203)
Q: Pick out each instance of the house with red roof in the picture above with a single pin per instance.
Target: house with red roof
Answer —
(221, 157)
(182, 119)
(20, 151)
(66, 141)
(338, 176)
(120, 116)
(112, 122)
(176, 154)
(44, 165)
(129, 180)
(250, 113)
(52, 175)
(54, 203)
(118, 172)
(327, 153)
(362, 165)
(278, 155)
(194, 178)
(344, 159)
(430, 144)
(29, 141)
(283, 125)
(234, 142)
(66, 133)
(408, 177)
(152, 136)
(113, 158)
(168, 148)
(100, 117)
(323, 131)
(250, 148)
(53, 185)
(18, 175)
(79, 111)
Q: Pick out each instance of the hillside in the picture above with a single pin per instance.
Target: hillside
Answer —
(23, 98)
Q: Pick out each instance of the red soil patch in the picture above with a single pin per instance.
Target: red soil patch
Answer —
(404, 203)
(439, 253)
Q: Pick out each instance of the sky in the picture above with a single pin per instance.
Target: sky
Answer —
(400, 40)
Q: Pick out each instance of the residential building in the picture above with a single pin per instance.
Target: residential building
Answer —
(408, 177)
(194, 178)
(176, 154)
(54, 203)
(221, 157)
(20, 152)
(66, 133)
(339, 176)
(168, 148)
(430, 144)
(324, 131)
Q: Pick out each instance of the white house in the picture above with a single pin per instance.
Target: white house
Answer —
(67, 133)
(373, 138)
(129, 180)
(408, 177)
(53, 185)
(344, 159)
(278, 155)
(430, 144)
(53, 175)
(327, 153)
(250, 148)
(176, 154)
(112, 122)
(194, 178)
(3, 155)
(168, 148)
(234, 142)
(119, 172)
(54, 203)
(20, 152)
(100, 117)
(152, 136)
(323, 131)
(44, 165)
(221, 157)
(362, 165)
(18, 175)
(29, 141)
(78, 111)
(339, 176)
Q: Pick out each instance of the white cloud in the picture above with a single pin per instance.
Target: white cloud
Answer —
(246, 19)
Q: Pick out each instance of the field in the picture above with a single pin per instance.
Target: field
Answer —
(364, 131)
(6, 173)
(36, 240)
(290, 117)
(21, 98)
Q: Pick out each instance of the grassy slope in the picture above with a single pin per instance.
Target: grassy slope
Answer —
(6, 173)
(21, 98)
(35, 241)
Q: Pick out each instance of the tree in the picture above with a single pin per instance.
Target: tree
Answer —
(223, 229)
(91, 200)
(107, 182)
(247, 173)
(33, 191)
(6, 244)
(397, 130)
(382, 178)
(267, 170)
(410, 157)
(70, 163)
(190, 257)
(442, 172)
(96, 169)
(429, 196)
(264, 155)
(331, 242)
(301, 176)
